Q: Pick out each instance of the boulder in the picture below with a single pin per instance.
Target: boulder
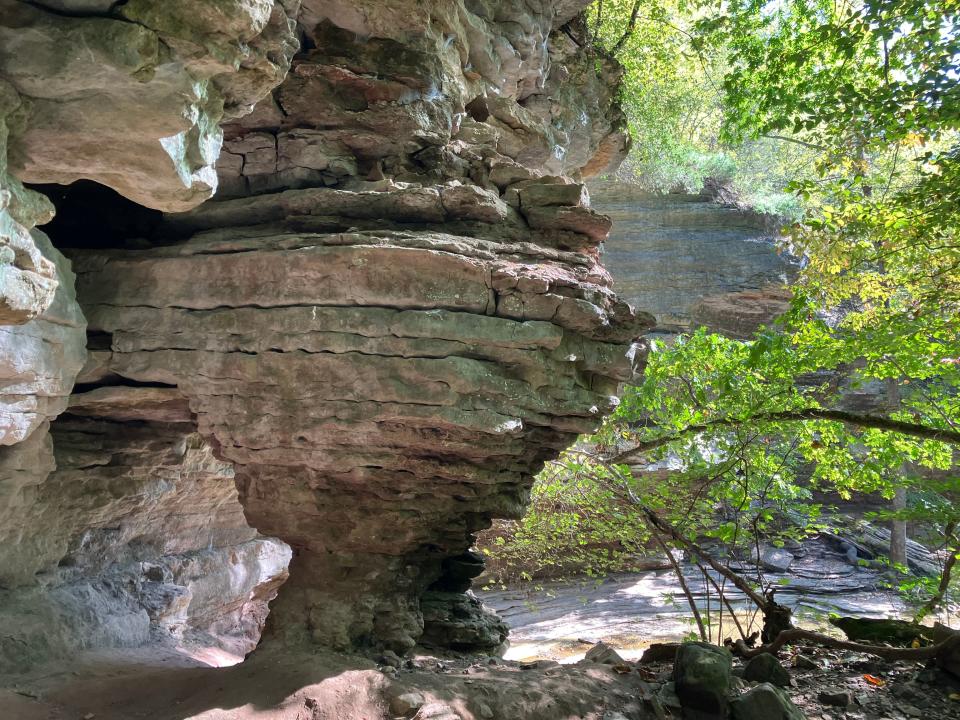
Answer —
(775, 559)
(603, 654)
(765, 668)
(701, 676)
(407, 704)
(460, 621)
(765, 702)
(660, 652)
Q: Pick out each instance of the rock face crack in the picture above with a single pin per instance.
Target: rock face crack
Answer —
(387, 321)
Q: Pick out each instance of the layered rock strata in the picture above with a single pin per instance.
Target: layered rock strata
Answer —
(382, 393)
(392, 314)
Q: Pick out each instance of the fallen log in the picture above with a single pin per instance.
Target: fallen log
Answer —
(946, 650)
(894, 632)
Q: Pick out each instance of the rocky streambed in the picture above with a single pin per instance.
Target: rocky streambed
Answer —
(561, 620)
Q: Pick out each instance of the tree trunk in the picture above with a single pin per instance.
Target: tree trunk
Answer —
(898, 530)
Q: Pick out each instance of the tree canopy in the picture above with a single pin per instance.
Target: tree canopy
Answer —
(743, 433)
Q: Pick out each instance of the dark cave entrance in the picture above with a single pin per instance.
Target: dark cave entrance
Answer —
(92, 216)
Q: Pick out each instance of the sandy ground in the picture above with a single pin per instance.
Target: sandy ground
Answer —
(158, 684)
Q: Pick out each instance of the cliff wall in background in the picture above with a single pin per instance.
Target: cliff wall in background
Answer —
(692, 262)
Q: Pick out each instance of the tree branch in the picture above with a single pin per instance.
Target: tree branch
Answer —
(631, 26)
(683, 583)
(804, 143)
(877, 422)
(742, 585)
(937, 598)
(882, 651)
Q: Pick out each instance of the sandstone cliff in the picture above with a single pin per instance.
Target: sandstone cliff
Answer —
(391, 313)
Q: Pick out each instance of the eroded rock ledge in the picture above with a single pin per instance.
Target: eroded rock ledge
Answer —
(391, 315)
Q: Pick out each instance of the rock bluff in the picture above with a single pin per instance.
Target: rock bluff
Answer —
(352, 357)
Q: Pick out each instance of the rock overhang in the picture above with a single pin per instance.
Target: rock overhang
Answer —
(390, 317)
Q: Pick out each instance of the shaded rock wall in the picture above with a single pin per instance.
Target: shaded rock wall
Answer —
(391, 315)
(405, 316)
(130, 95)
(692, 262)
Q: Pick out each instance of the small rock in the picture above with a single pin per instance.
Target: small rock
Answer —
(604, 654)
(539, 665)
(911, 711)
(765, 702)
(437, 711)
(802, 662)
(766, 668)
(391, 659)
(835, 697)
(701, 677)
(484, 711)
(660, 652)
(407, 704)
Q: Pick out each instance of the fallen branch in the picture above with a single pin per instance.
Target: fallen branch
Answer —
(794, 635)
(876, 422)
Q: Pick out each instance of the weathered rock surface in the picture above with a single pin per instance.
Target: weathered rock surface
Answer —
(740, 314)
(383, 393)
(131, 95)
(701, 676)
(28, 279)
(390, 318)
(765, 702)
(40, 359)
(766, 668)
(128, 94)
(136, 534)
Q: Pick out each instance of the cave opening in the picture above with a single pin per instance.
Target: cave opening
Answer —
(95, 217)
